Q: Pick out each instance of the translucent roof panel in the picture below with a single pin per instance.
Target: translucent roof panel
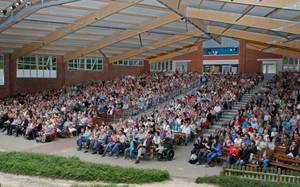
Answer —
(260, 11)
(144, 11)
(152, 3)
(55, 19)
(127, 19)
(64, 11)
(285, 14)
(91, 4)
(235, 8)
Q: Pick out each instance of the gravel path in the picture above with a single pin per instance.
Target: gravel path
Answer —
(9, 180)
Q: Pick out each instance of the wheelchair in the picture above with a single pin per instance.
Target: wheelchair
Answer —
(168, 153)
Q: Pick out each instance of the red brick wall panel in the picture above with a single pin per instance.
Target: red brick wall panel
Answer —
(5, 89)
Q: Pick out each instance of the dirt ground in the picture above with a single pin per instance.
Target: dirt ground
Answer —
(9, 180)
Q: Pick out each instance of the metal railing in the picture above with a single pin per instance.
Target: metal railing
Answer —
(143, 106)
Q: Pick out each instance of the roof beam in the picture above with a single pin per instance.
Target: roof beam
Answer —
(159, 44)
(282, 4)
(123, 36)
(172, 54)
(273, 50)
(180, 8)
(72, 27)
(25, 12)
(272, 24)
(256, 37)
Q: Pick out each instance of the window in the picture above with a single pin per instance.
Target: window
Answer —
(86, 64)
(129, 62)
(165, 66)
(290, 64)
(1, 70)
(36, 67)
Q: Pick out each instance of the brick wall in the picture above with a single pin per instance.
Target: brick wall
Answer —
(31, 85)
(4, 89)
(110, 72)
(247, 59)
(196, 59)
(14, 85)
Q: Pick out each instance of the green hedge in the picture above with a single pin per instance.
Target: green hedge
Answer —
(226, 181)
(100, 185)
(73, 168)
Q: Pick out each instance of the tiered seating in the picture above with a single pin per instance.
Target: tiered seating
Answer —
(267, 128)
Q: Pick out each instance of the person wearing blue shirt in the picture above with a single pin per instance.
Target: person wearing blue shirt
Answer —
(233, 135)
(129, 151)
(246, 140)
(216, 151)
(83, 138)
(287, 126)
(175, 127)
(245, 124)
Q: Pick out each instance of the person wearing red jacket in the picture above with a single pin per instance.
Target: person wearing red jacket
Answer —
(233, 154)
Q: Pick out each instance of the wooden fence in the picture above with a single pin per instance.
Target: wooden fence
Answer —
(270, 174)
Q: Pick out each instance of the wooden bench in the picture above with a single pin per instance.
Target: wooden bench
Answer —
(285, 158)
(101, 120)
(284, 161)
(283, 165)
(280, 149)
(224, 156)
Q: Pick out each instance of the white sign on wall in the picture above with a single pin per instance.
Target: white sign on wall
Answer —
(220, 62)
(1, 77)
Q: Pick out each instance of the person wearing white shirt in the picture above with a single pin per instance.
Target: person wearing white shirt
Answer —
(254, 123)
(217, 110)
(186, 129)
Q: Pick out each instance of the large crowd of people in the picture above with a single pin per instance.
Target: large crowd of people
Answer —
(270, 119)
(42, 116)
(177, 121)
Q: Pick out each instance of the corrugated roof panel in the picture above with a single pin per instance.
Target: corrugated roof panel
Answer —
(37, 25)
(99, 31)
(214, 5)
(152, 3)
(64, 11)
(192, 3)
(85, 36)
(260, 11)
(127, 18)
(113, 25)
(72, 42)
(235, 8)
(285, 14)
(23, 32)
(144, 11)
(55, 19)
(88, 4)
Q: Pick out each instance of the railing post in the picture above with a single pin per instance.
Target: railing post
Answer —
(278, 174)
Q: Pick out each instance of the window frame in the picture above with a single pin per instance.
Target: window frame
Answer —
(2, 66)
(37, 66)
(86, 64)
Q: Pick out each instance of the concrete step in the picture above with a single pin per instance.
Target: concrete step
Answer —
(227, 115)
(216, 126)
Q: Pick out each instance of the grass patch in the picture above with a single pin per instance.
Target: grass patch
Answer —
(58, 167)
(100, 185)
(226, 181)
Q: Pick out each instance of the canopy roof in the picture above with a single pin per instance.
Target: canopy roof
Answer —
(145, 29)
